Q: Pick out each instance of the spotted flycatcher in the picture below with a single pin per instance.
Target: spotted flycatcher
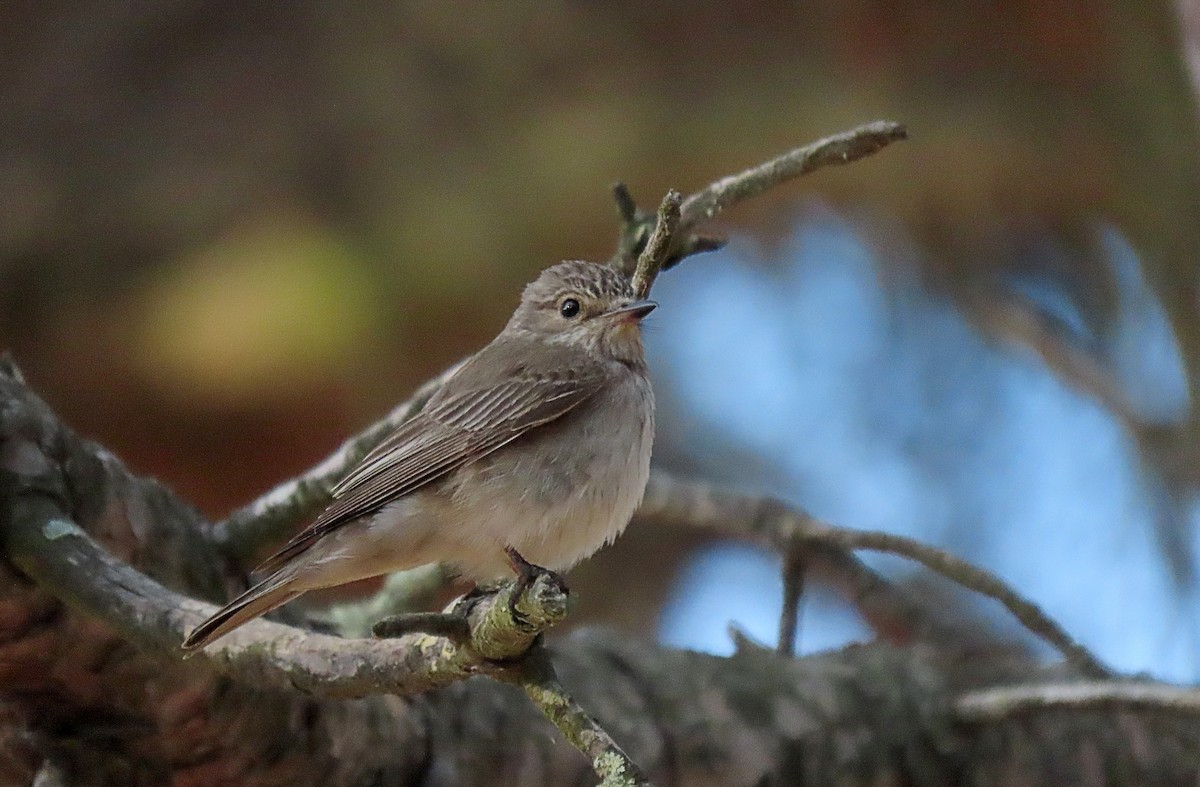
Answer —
(534, 453)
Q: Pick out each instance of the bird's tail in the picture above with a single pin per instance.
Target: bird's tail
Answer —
(272, 592)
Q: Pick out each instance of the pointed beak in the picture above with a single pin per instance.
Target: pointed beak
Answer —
(632, 312)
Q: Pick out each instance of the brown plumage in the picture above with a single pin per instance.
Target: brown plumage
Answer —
(540, 442)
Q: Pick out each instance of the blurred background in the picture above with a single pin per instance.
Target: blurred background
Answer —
(231, 234)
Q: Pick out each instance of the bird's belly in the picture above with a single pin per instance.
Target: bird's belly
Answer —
(556, 501)
(592, 512)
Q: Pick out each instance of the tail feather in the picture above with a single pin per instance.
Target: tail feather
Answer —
(272, 592)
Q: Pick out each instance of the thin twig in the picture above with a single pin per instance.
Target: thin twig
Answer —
(838, 149)
(697, 505)
(743, 641)
(972, 577)
(450, 625)
(991, 705)
(675, 502)
(535, 674)
(403, 591)
(793, 589)
(658, 248)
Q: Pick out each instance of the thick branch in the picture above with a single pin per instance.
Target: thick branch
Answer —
(865, 715)
(55, 552)
(42, 540)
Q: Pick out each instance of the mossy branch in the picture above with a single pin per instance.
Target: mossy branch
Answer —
(51, 549)
(536, 676)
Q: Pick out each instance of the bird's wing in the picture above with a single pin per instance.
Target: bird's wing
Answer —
(464, 422)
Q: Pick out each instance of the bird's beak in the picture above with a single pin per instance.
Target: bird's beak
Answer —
(632, 312)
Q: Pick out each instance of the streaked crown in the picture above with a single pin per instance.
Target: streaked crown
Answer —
(590, 279)
(573, 303)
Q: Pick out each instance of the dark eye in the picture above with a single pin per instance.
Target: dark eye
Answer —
(569, 308)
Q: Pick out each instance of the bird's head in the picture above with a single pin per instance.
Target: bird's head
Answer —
(584, 305)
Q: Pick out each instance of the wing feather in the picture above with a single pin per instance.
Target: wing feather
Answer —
(466, 420)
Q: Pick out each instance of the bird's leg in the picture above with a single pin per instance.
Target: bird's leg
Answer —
(526, 573)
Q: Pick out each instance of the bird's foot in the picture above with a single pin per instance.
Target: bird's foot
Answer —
(526, 574)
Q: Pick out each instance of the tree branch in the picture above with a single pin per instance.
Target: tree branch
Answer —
(123, 700)
(536, 676)
(51, 549)
(48, 546)
(670, 500)
(402, 592)
(996, 704)
(695, 717)
(271, 517)
(658, 248)
(841, 148)
(481, 638)
(793, 589)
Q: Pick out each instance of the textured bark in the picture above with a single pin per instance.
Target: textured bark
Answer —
(84, 702)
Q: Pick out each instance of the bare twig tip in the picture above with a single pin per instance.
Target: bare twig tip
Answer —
(658, 249)
(626, 206)
(8, 367)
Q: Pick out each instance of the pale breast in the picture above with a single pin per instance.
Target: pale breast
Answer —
(562, 491)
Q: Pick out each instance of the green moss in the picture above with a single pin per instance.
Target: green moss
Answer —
(611, 768)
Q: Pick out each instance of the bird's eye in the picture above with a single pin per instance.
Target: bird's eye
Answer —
(569, 308)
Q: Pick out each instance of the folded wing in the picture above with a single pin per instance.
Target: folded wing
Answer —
(468, 419)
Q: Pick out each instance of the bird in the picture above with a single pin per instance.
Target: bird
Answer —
(533, 455)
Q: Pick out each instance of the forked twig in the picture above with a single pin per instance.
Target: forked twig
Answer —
(671, 500)
(654, 256)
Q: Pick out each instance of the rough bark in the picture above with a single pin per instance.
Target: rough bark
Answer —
(87, 703)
